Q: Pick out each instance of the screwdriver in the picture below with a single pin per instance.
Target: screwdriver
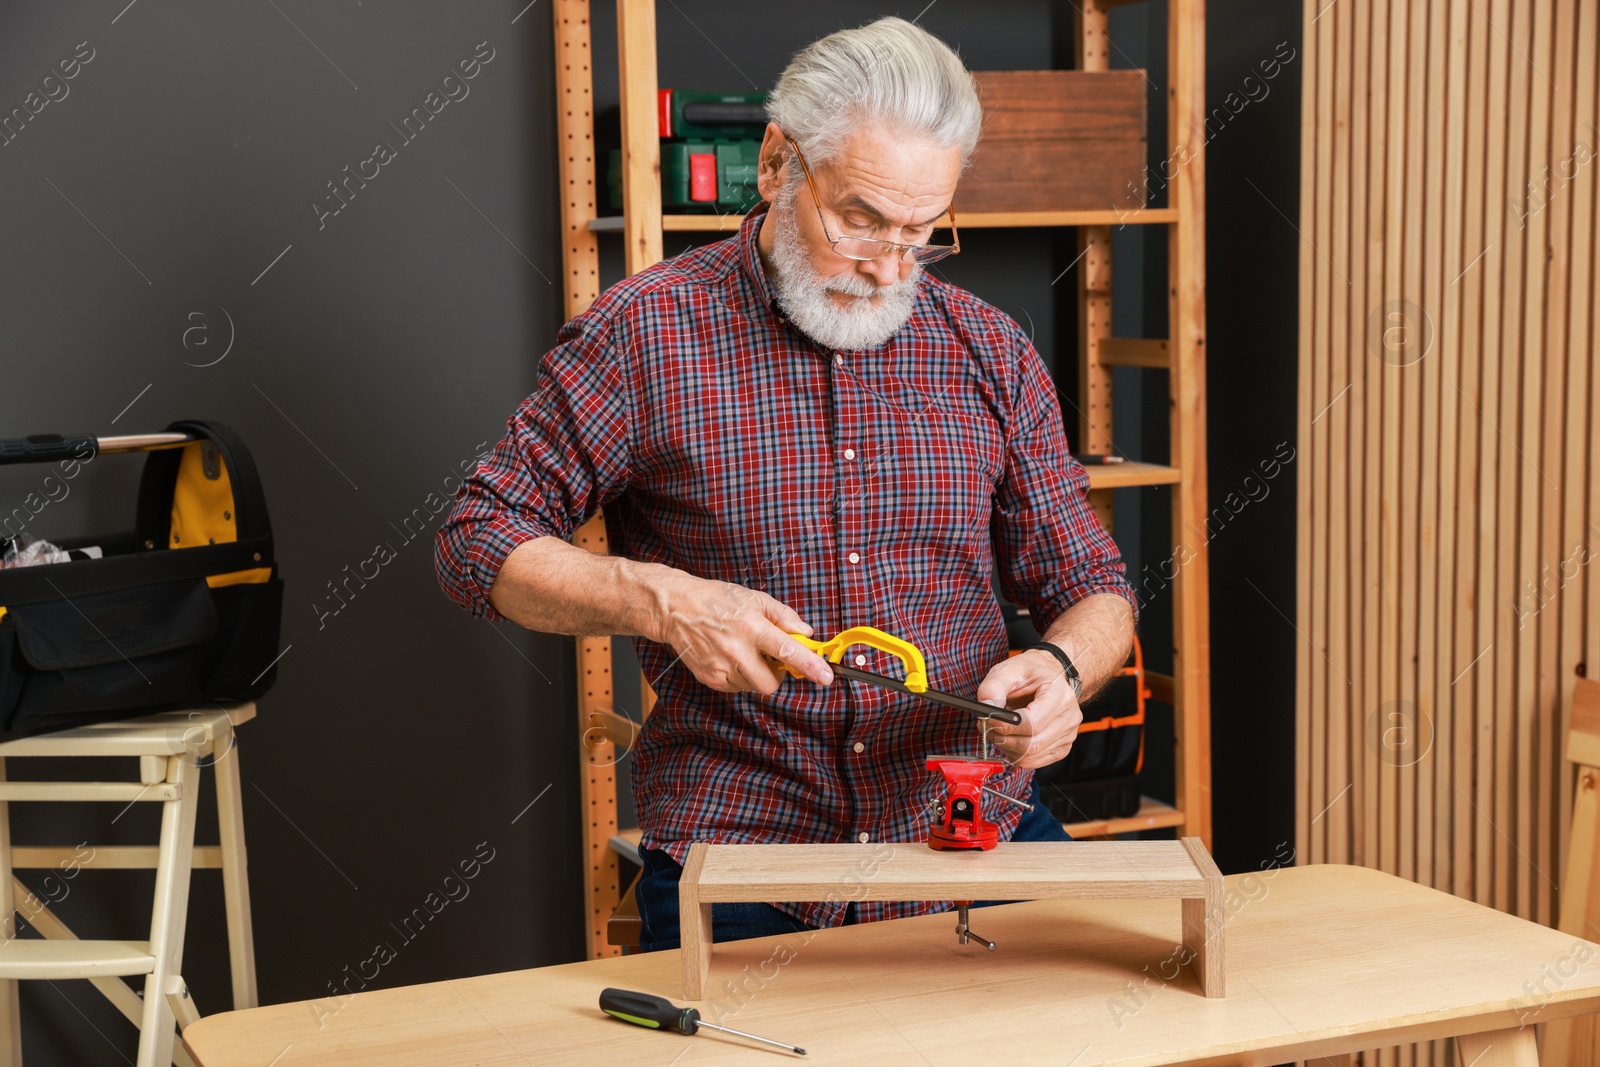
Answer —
(658, 1013)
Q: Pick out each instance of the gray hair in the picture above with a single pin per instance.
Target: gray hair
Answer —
(889, 71)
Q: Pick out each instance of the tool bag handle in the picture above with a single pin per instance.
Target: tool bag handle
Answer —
(156, 485)
(47, 448)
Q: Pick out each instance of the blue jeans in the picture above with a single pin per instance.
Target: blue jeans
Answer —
(657, 894)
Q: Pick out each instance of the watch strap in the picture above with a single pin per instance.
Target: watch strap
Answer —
(1073, 677)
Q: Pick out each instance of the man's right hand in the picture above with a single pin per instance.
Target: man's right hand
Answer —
(725, 634)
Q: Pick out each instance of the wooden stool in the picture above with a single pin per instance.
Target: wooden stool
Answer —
(172, 748)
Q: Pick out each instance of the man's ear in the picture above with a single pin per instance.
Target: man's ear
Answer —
(774, 150)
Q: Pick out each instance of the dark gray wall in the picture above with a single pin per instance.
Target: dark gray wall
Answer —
(387, 343)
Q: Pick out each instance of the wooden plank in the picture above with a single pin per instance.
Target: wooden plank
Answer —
(1407, 431)
(1186, 79)
(1305, 801)
(1583, 738)
(10, 901)
(91, 791)
(616, 729)
(1528, 474)
(1369, 769)
(641, 135)
(1579, 345)
(1160, 686)
(580, 255)
(1343, 816)
(1589, 592)
(1094, 323)
(1499, 1048)
(625, 927)
(1057, 140)
(1131, 475)
(1464, 675)
(1332, 462)
(1094, 288)
(1506, 582)
(1135, 352)
(1203, 921)
(1095, 381)
(104, 857)
(1316, 456)
(1388, 616)
(1152, 815)
(1489, 670)
(1429, 538)
(1556, 60)
(977, 220)
(1573, 1041)
(1447, 61)
(1020, 870)
(597, 786)
(694, 924)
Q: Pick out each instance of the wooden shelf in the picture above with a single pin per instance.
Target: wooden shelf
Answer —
(1152, 815)
(1132, 475)
(642, 227)
(971, 220)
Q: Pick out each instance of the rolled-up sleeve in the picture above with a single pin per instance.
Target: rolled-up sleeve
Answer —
(1050, 547)
(565, 454)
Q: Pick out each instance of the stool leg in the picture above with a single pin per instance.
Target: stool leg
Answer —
(169, 915)
(235, 875)
(1499, 1048)
(10, 1009)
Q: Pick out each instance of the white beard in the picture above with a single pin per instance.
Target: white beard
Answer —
(803, 293)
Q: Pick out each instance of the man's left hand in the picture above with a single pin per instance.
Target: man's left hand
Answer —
(1035, 685)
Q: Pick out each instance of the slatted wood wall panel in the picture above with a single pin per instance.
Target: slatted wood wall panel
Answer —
(1449, 494)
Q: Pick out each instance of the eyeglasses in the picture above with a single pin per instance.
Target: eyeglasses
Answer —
(869, 248)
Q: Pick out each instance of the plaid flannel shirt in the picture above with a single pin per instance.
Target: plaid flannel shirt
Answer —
(882, 487)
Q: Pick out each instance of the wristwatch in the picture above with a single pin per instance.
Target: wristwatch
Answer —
(1073, 678)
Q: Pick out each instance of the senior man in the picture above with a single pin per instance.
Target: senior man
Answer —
(798, 430)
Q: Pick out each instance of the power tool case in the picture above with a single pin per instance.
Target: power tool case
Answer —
(181, 611)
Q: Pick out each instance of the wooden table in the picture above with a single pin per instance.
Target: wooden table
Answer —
(1322, 961)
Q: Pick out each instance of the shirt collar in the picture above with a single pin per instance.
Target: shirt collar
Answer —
(750, 261)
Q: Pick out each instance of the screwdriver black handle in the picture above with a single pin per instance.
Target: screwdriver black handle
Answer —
(644, 1009)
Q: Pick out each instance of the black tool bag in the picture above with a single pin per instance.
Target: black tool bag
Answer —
(1099, 779)
(181, 611)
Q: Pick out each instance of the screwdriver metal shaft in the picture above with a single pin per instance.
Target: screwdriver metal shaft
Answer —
(740, 1033)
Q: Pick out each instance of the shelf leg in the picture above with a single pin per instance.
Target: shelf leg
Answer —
(694, 925)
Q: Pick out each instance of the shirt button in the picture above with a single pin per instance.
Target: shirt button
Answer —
(849, 453)
(864, 837)
(855, 557)
(859, 747)
(838, 359)
(861, 661)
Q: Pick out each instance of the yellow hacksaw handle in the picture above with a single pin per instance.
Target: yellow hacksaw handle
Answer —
(833, 650)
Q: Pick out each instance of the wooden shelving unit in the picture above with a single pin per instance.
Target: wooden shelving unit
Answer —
(970, 220)
(641, 226)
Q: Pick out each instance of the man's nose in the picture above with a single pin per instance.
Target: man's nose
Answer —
(885, 270)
